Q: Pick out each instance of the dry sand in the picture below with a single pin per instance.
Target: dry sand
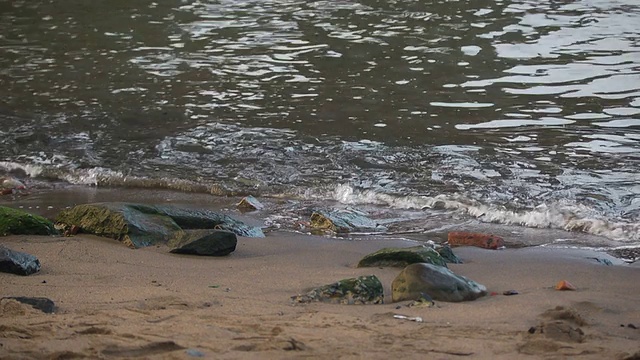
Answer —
(114, 302)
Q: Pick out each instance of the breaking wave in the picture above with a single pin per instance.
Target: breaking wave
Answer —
(565, 216)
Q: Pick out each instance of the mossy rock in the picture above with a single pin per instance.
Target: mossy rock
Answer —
(437, 282)
(138, 225)
(343, 221)
(401, 257)
(353, 291)
(19, 222)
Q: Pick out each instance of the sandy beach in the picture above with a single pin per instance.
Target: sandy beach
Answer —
(114, 302)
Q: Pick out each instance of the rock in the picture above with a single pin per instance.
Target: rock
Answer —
(487, 241)
(9, 185)
(360, 290)
(139, 225)
(18, 222)
(43, 304)
(16, 262)
(401, 257)
(343, 221)
(436, 281)
(424, 301)
(203, 242)
(249, 203)
(448, 255)
(602, 261)
(564, 285)
(202, 219)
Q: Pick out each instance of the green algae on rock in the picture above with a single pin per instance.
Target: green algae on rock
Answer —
(19, 222)
(401, 257)
(139, 225)
(362, 290)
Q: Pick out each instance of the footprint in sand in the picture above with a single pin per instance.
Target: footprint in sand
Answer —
(559, 331)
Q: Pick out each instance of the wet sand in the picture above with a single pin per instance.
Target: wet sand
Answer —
(114, 302)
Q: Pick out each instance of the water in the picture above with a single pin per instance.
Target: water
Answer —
(510, 112)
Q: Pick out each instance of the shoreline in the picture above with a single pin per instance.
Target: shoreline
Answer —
(114, 301)
(48, 202)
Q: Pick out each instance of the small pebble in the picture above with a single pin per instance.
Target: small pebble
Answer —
(564, 285)
(532, 330)
(510, 292)
(195, 353)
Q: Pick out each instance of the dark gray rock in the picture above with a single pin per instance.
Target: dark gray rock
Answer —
(139, 225)
(438, 282)
(203, 242)
(360, 290)
(401, 257)
(344, 221)
(40, 303)
(448, 255)
(16, 262)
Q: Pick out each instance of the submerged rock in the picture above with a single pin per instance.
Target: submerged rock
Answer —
(438, 282)
(353, 291)
(203, 242)
(16, 262)
(9, 185)
(486, 241)
(250, 203)
(139, 225)
(343, 221)
(40, 303)
(401, 257)
(18, 222)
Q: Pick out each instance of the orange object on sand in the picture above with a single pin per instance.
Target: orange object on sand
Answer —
(564, 285)
(487, 241)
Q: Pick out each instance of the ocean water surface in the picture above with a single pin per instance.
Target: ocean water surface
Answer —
(509, 113)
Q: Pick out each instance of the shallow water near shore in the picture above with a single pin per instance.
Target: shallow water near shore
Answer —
(286, 215)
(511, 116)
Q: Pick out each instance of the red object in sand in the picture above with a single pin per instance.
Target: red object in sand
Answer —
(487, 241)
(564, 285)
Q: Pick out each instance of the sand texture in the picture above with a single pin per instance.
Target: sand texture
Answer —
(115, 302)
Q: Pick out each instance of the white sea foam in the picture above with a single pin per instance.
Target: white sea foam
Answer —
(29, 169)
(569, 217)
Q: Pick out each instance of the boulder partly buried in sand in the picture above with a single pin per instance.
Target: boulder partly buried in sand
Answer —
(203, 242)
(139, 225)
(39, 303)
(486, 241)
(353, 291)
(401, 257)
(343, 221)
(16, 262)
(18, 222)
(436, 281)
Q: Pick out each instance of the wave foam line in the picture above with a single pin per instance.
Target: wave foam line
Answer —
(103, 177)
(559, 216)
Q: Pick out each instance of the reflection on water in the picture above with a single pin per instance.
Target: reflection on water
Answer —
(512, 103)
